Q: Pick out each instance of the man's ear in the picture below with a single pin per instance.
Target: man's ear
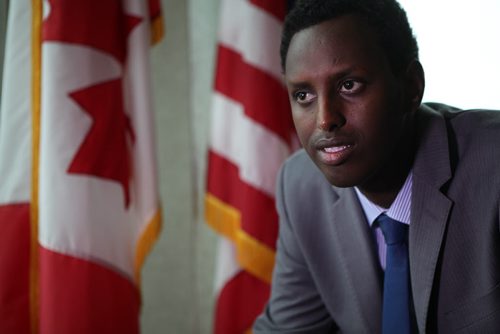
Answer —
(414, 84)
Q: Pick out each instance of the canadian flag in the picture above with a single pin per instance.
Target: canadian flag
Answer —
(79, 207)
(252, 134)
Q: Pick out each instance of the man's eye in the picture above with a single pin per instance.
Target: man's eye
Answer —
(351, 86)
(303, 97)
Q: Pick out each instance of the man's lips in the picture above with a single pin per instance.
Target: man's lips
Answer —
(335, 149)
(334, 152)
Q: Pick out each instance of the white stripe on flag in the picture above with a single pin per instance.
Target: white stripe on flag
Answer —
(263, 53)
(258, 152)
(226, 264)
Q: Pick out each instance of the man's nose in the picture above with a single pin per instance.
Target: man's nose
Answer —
(330, 116)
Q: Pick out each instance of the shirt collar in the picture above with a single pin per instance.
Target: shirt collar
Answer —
(399, 210)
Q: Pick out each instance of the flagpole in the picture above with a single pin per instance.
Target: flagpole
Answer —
(36, 103)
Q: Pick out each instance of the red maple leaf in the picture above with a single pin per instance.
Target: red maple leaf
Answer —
(100, 24)
(104, 26)
(104, 152)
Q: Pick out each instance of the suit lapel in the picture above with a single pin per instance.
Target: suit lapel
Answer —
(429, 211)
(358, 250)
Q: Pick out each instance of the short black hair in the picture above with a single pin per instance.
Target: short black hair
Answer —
(386, 17)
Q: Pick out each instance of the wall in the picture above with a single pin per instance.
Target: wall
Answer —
(459, 50)
(178, 275)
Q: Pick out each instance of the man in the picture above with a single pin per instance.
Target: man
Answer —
(377, 164)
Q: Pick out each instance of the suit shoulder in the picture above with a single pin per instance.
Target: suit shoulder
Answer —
(467, 119)
(469, 127)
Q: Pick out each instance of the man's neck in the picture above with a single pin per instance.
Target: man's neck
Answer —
(385, 185)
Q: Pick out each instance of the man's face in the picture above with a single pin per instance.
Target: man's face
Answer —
(346, 102)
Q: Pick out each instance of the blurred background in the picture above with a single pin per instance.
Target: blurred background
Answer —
(459, 51)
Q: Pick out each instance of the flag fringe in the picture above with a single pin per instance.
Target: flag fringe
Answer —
(157, 29)
(145, 244)
(252, 255)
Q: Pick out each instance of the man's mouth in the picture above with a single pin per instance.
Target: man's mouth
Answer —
(335, 149)
(335, 154)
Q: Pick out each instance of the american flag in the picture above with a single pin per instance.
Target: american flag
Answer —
(252, 134)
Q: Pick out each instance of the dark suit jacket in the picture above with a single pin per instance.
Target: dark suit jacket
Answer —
(327, 276)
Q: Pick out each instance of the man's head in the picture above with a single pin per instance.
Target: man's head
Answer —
(352, 103)
(385, 17)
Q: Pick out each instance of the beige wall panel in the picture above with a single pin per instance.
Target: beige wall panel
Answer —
(178, 275)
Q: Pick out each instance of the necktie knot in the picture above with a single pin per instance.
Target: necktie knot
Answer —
(394, 232)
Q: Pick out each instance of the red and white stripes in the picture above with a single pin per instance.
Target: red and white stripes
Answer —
(252, 134)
